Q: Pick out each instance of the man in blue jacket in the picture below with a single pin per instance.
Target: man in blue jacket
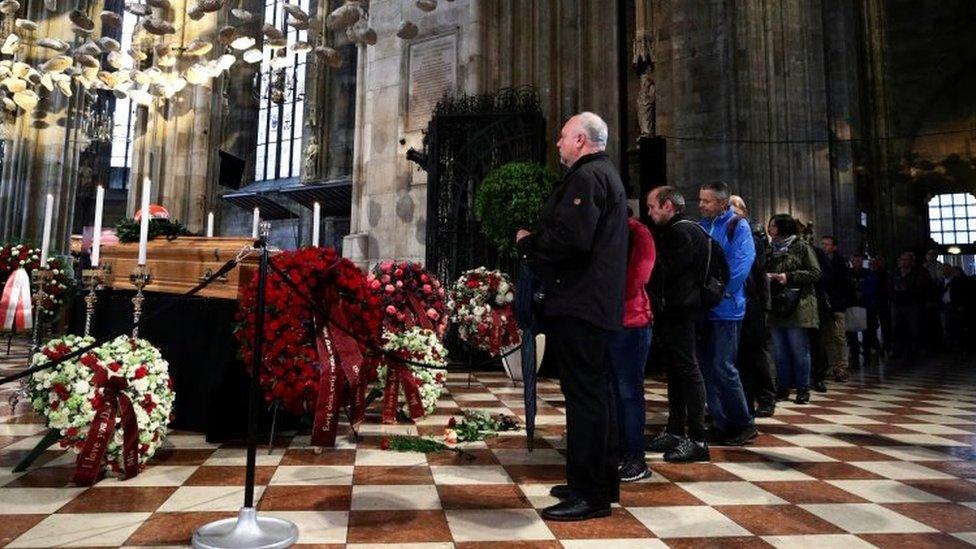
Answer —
(732, 423)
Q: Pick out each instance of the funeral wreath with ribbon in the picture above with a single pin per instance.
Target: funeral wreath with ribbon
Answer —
(315, 338)
(481, 306)
(112, 405)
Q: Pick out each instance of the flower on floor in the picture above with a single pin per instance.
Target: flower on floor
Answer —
(476, 425)
(57, 291)
(111, 404)
(481, 306)
(415, 389)
(410, 295)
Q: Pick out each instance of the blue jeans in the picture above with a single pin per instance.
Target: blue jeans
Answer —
(718, 349)
(792, 358)
(627, 356)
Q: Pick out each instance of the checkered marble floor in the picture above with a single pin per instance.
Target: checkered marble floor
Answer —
(885, 460)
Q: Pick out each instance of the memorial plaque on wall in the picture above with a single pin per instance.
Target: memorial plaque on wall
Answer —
(432, 73)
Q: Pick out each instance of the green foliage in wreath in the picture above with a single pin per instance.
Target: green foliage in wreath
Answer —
(510, 198)
(127, 230)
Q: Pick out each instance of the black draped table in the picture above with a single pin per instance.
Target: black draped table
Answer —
(196, 338)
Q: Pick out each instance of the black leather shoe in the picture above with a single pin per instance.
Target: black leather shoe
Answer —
(688, 451)
(576, 509)
(819, 386)
(663, 442)
(564, 492)
(742, 436)
(766, 410)
(803, 397)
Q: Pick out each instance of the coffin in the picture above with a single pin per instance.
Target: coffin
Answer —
(176, 266)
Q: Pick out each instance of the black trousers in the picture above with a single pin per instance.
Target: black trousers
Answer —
(757, 368)
(818, 358)
(592, 448)
(686, 388)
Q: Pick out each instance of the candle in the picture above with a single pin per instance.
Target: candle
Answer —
(144, 221)
(97, 232)
(254, 224)
(46, 238)
(210, 225)
(316, 221)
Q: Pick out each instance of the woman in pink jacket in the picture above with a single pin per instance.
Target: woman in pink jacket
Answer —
(628, 353)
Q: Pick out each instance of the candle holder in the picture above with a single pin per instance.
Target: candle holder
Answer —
(92, 279)
(40, 278)
(140, 278)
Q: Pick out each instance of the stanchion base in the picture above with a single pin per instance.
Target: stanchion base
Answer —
(247, 530)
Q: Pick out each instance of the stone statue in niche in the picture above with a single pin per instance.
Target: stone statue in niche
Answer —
(647, 99)
(311, 158)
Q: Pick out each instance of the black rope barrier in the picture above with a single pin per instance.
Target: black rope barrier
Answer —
(226, 268)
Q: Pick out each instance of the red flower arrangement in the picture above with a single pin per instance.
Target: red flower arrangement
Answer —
(410, 296)
(17, 256)
(311, 365)
(482, 308)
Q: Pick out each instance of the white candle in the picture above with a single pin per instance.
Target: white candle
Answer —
(46, 235)
(97, 232)
(144, 221)
(316, 221)
(210, 225)
(254, 224)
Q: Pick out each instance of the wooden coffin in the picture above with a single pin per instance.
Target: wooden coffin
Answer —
(176, 266)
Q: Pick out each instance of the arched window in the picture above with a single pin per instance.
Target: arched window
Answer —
(952, 218)
(282, 98)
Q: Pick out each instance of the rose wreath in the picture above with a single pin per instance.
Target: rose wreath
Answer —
(421, 386)
(313, 366)
(19, 256)
(111, 405)
(410, 296)
(481, 306)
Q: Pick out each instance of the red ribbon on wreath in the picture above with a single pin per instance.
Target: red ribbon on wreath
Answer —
(399, 376)
(114, 402)
(340, 377)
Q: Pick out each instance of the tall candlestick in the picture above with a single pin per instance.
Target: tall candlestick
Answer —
(97, 232)
(210, 220)
(254, 224)
(316, 221)
(46, 238)
(144, 221)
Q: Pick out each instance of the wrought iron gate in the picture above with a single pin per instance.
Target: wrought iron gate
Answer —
(466, 138)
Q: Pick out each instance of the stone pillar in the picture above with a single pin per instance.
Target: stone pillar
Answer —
(42, 147)
(177, 145)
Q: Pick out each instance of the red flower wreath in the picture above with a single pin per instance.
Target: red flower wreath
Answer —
(410, 296)
(57, 291)
(295, 357)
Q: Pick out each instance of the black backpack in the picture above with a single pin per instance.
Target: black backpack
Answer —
(715, 276)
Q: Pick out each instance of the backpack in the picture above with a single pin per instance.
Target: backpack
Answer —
(716, 275)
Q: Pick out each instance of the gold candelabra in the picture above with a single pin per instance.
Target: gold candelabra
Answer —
(140, 278)
(93, 278)
(40, 278)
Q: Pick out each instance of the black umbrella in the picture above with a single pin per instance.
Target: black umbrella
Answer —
(527, 297)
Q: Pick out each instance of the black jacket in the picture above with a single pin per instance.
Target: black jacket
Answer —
(579, 247)
(836, 282)
(676, 283)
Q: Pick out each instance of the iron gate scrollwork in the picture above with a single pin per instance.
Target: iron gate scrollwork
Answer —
(467, 137)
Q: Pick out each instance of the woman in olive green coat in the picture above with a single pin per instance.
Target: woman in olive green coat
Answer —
(792, 269)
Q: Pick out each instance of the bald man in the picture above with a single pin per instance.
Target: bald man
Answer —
(579, 249)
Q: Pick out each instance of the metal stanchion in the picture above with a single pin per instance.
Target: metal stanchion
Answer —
(249, 530)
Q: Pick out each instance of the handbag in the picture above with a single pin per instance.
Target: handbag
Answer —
(785, 301)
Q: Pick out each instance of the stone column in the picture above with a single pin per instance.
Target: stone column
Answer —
(42, 147)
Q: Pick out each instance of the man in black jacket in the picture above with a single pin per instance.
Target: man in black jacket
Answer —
(676, 297)
(837, 283)
(579, 248)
